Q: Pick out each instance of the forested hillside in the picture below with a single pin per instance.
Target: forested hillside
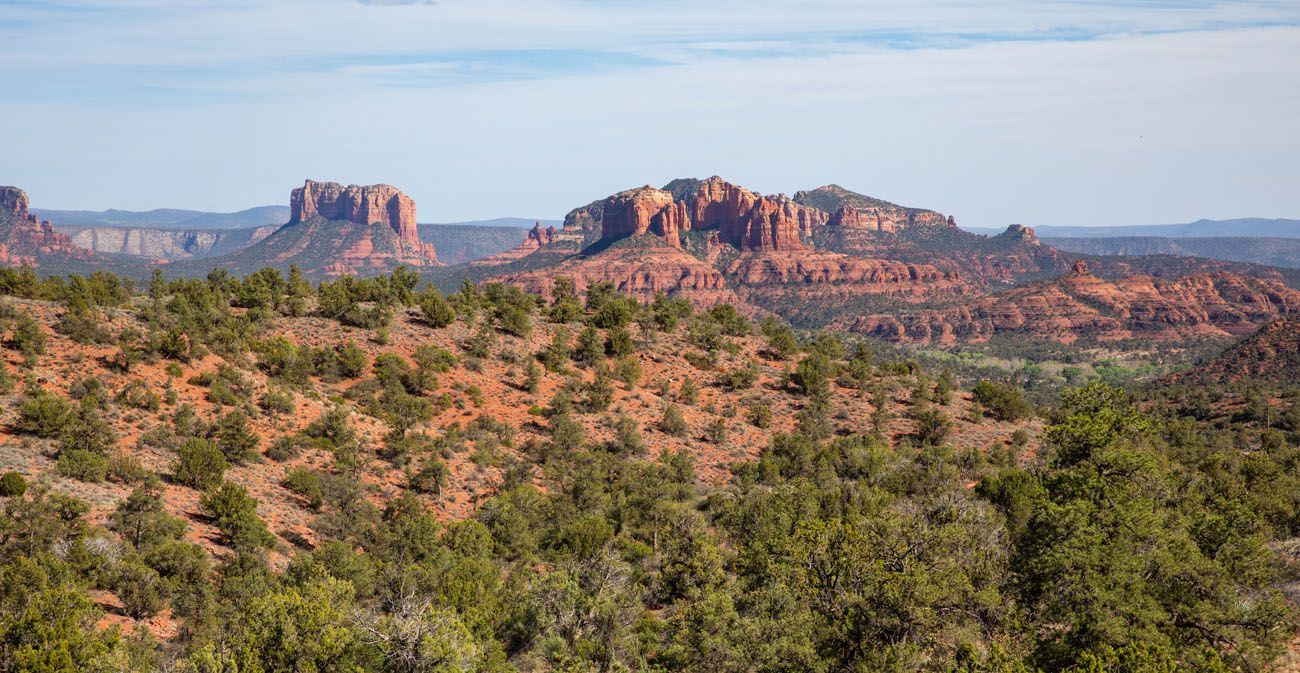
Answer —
(257, 474)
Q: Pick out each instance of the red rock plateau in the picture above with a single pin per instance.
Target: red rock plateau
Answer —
(26, 240)
(1081, 305)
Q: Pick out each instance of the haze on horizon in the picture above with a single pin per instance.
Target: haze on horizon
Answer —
(1055, 112)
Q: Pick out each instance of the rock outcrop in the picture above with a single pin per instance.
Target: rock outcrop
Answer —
(364, 205)
(24, 239)
(335, 230)
(857, 211)
(370, 204)
(744, 219)
(537, 238)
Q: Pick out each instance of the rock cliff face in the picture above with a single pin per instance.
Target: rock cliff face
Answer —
(382, 204)
(830, 257)
(744, 219)
(335, 230)
(165, 244)
(1081, 305)
(26, 240)
(365, 206)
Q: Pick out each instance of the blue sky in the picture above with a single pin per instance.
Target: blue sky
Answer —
(1030, 111)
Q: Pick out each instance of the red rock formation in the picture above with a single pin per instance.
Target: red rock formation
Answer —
(537, 239)
(24, 239)
(747, 220)
(365, 205)
(857, 211)
(644, 210)
(1079, 304)
(864, 276)
(640, 272)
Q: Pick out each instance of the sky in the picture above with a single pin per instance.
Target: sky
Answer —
(1040, 112)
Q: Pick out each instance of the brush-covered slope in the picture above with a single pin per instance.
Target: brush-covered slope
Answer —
(1269, 355)
(270, 477)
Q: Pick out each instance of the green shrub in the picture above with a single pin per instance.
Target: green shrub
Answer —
(618, 342)
(234, 512)
(200, 464)
(1002, 401)
(12, 485)
(83, 465)
(740, 378)
(277, 401)
(437, 312)
(28, 338)
(284, 448)
(43, 414)
(332, 426)
(87, 431)
(351, 360)
(627, 436)
(760, 414)
(628, 370)
(430, 478)
(235, 437)
(140, 589)
(673, 422)
(124, 468)
(305, 483)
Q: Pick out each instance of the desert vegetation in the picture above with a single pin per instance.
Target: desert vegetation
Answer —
(261, 474)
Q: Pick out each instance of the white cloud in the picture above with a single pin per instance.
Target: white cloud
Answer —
(220, 105)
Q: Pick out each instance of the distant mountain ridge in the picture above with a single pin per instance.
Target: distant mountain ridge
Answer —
(524, 223)
(1242, 227)
(165, 244)
(1283, 252)
(167, 218)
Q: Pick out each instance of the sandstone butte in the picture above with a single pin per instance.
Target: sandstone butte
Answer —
(24, 239)
(363, 205)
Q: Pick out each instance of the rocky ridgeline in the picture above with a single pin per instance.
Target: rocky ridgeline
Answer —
(857, 211)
